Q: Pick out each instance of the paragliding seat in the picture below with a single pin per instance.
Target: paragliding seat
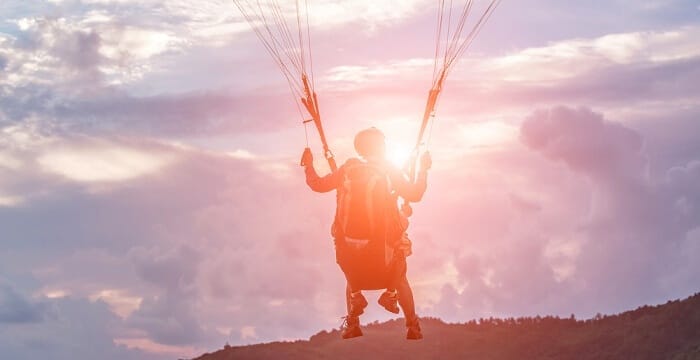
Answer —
(368, 266)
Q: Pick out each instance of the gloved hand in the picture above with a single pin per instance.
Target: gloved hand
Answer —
(426, 162)
(307, 158)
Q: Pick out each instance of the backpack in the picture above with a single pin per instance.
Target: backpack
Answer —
(368, 226)
(364, 201)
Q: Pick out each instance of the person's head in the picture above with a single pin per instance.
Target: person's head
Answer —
(370, 143)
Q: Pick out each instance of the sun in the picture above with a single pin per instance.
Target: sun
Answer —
(398, 153)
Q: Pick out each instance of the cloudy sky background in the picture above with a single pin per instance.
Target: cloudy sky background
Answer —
(151, 204)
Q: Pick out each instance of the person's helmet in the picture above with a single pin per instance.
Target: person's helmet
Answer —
(370, 142)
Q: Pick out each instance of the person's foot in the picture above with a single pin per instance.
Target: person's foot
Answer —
(413, 331)
(358, 303)
(389, 301)
(351, 327)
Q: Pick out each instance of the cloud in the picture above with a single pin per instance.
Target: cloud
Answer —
(370, 13)
(36, 161)
(585, 141)
(626, 71)
(682, 188)
(574, 57)
(130, 96)
(52, 51)
(120, 301)
(175, 268)
(101, 164)
(164, 116)
(150, 245)
(15, 309)
(169, 317)
(169, 320)
(58, 326)
(226, 254)
(632, 213)
(595, 223)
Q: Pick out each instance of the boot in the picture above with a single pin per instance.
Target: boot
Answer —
(358, 303)
(413, 331)
(351, 327)
(389, 301)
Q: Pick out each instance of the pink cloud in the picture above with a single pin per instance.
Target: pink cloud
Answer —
(585, 141)
(226, 244)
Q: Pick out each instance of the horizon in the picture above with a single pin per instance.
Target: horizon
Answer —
(634, 334)
(399, 319)
(152, 205)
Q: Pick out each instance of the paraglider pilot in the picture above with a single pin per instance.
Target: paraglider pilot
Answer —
(369, 230)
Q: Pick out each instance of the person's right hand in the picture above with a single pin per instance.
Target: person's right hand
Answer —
(307, 158)
(426, 162)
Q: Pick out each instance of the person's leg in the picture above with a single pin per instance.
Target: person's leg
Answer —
(408, 306)
(397, 271)
(388, 299)
(354, 307)
(355, 303)
(354, 300)
(406, 299)
(348, 297)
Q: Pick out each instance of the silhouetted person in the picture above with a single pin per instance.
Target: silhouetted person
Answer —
(369, 230)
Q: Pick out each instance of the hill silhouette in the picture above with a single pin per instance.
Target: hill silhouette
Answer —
(668, 331)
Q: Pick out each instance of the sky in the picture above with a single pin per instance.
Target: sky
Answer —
(152, 205)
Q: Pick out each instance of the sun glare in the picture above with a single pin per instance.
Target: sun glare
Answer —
(397, 153)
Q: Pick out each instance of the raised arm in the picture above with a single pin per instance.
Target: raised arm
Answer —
(316, 183)
(413, 192)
